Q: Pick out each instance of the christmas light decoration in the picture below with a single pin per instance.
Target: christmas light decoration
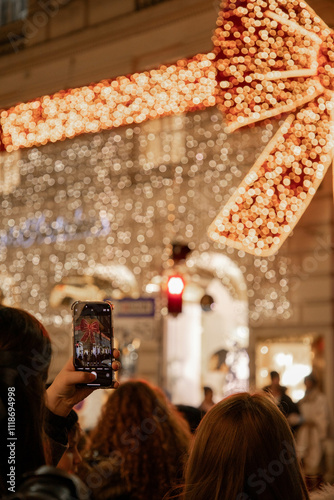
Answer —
(275, 57)
(184, 86)
(269, 57)
(109, 207)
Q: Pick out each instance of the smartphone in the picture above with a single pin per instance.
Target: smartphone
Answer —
(93, 340)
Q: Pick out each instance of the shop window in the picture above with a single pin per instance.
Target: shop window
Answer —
(292, 358)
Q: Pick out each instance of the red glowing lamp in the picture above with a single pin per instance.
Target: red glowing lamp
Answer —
(175, 287)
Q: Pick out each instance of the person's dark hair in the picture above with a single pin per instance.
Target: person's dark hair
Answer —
(71, 419)
(244, 449)
(221, 354)
(207, 390)
(25, 354)
(192, 415)
(274, 374)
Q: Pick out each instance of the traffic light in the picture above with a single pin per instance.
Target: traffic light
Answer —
(175, 287)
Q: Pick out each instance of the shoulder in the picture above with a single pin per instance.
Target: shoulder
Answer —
(326, 493)
(103, 476)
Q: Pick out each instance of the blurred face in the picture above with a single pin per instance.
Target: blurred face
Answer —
(71, 459)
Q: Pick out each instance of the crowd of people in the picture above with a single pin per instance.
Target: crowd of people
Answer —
(246, 447)
(309, 421)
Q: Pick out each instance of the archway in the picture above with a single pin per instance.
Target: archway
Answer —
(206, 345)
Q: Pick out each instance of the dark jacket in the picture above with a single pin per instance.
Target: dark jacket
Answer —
(286, 405)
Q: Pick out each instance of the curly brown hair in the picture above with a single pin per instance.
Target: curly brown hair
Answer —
(151, 437)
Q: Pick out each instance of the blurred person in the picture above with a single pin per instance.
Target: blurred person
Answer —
(23, 341)
(191, 414)
(138, 448)
(283, 401)
(244, 450)
(207, 402)
(32, 420)
(71, 458)
(313, 431)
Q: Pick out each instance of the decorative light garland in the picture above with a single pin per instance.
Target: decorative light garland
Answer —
(269, 57)
(275, 57)
(98, 205)
(181, 87)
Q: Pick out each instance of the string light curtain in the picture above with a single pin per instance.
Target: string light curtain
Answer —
(122, 198)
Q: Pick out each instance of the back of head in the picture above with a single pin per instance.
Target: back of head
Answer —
(192, 415)
(147, 435)
(25, 353)
(311, 380)
(275, 377)
(244, 450)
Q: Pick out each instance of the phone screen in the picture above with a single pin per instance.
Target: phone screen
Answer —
(93, 340)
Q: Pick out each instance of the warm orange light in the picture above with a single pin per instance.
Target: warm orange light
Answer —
(184, 86)
(269, 57)
(272, 59)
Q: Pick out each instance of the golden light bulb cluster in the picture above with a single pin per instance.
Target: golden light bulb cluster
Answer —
(275, 57)
(269, 60)
(178, 88)
(266, 206)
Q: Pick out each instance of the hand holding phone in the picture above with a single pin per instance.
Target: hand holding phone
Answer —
(93, 341)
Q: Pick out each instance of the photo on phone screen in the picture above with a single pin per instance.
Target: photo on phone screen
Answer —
(93, 339)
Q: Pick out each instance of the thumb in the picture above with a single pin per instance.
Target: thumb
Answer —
(76, 377)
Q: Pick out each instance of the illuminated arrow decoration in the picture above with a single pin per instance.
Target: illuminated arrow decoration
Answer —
(269, 57)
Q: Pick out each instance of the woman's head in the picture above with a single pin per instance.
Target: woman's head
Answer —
(25, 354)
(310, 381)
(25, 342)
(147, 436)
(244, 450)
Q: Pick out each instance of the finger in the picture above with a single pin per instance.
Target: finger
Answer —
(78, 377)
(74, 378)
(116, 385)
(116, 353)
(69, 366)
(116, 365)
